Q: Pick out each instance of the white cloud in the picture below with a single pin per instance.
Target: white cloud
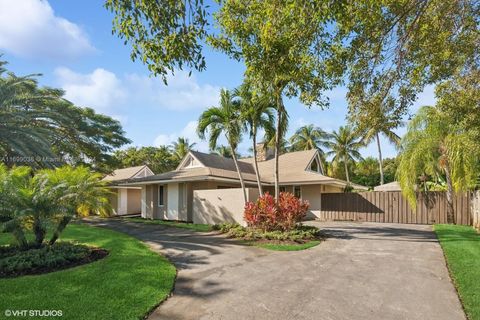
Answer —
(100, 89)
(183, 92)
(29, 28)
(189, 132)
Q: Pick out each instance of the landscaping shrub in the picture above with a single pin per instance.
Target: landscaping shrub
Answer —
(268, 215)
(45, 259)
(299, 234)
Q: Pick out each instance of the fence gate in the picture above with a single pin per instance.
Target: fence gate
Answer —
(392, 207)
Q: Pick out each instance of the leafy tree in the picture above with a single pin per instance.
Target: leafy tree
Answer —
(365, 172)
(181, 147)
(158, 159)
(256, 113)
(286, 47)
(308, 138)
(39, 126)
(51, 197)
(165, 35)
(344, 145)
(373, 122)
(395, 48)
(436, 145)
(226, 119)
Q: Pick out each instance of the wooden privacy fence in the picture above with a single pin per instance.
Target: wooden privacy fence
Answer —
(392, 207)
(476, 209)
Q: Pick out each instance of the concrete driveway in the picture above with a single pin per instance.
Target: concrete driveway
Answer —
(362, 271)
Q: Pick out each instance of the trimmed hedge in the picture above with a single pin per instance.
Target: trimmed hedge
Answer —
(299, 234)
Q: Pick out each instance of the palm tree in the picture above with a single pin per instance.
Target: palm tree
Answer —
(436, 145)
(51, 197)
(256, 113)
(379, 121)
(226, 119)
(181, 147)
(344, 145)
(308, 138)
(224, 151)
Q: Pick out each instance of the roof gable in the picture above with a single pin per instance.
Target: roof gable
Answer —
(129, 173)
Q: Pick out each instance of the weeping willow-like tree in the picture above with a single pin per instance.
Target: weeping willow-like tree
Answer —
(436, 145)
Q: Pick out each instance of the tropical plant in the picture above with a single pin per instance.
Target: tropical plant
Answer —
(256, 113)
(50, 198)
(436, 145)
(181, 147)
(226, 119)
(268, 214)
(372, 123)
(158, 159)
(39, 128)
(224, 151)
(344, 145)
(310, 138)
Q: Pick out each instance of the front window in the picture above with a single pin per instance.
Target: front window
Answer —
(297, 192)
(283, 189)
(161, 196)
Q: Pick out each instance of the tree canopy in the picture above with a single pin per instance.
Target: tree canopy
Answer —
(39, 128)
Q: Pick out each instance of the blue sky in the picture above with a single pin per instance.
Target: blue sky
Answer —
(71, 44)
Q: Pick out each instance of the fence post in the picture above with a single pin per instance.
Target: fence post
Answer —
(475, 206)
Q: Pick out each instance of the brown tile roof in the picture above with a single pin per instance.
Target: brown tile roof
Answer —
(216, 161)
(123, 174)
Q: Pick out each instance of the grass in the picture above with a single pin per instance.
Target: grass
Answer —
(461, 246)
(175, 224)
(284, 247)
(127, 284)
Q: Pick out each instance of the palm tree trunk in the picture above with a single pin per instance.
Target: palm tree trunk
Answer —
(277, 141)
(346, 170)
(60, 227)
(257, 174)
(39, 231)
(242, 184)
(450, 195)
(380, 161)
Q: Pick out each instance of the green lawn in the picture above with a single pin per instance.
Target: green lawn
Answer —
(176, 224)
(461, 245)
(284, 247)
(126, 284)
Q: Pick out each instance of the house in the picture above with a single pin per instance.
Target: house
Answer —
(392, 186)
(126, 199)
(204, 188)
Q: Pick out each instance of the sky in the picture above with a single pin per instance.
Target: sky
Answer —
(71, 44)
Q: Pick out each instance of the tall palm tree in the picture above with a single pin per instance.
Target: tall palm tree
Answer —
(436, 145)
(226, 119)
(310, 137)
(379, 121)
(181, 147)
(256, 113)
(344, 145)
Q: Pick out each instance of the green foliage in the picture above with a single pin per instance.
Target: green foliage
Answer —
(130, 272)
(41, 129)
(461, 246)
(162, 34)
(183, 225)
(366, 172)
(435, 145)
(50, 198)
(158, 159)
(394, 48)
(309, 137)
(299, 234)
(181, 147)
(47, 258)
(344, 146)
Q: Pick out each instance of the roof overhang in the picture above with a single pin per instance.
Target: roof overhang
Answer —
(189, 179)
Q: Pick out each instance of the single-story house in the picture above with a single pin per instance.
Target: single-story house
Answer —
(204, 188)
(387, 187)
(126, 199)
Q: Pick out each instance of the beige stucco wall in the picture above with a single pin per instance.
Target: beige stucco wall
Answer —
(125, 201)
(134, 201)
(220, 205)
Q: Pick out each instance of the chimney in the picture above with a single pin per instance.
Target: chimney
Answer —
(264, 152)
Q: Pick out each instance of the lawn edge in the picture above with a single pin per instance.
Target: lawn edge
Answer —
(453, 281)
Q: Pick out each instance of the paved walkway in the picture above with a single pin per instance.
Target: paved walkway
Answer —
(363, 271)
